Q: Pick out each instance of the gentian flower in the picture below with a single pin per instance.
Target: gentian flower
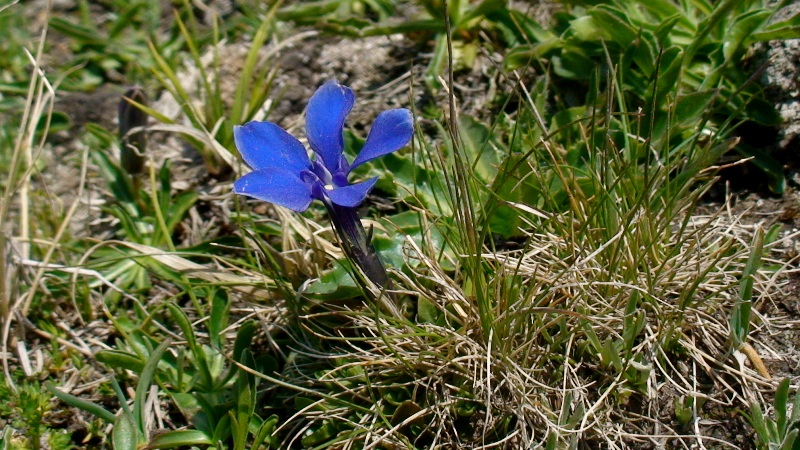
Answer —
(284, 174)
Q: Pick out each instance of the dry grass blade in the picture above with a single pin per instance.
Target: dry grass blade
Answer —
(38, 111)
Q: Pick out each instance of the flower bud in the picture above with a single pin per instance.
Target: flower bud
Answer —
(133, 144)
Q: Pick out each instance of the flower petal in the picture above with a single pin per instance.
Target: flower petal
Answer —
(351, 195)
(325, 116)
(277, 186)
(392, 130)
(266, 145)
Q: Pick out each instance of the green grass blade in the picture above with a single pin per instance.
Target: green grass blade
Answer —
(143, 386)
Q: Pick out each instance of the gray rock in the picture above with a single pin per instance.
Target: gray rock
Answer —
(782, 79)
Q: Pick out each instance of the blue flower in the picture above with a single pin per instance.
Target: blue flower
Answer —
(284, 174)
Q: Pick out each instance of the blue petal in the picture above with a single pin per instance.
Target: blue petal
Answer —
(351, 195)
(325, 116)
(391, 131)
(265, 145)
(277, 186)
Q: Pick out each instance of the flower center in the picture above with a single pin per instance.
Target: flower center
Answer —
(330, 180)
(308, 177)
(322, 173)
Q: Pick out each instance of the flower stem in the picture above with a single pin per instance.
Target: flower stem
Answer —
(357, 244)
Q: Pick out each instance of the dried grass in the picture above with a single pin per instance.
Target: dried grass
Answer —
(558, 390)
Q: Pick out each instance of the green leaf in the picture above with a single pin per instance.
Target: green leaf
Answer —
(483, 8)
(790, 441)
(438, 63)
(405, 27)
(183, 322)
(392, 245)
(178, 208)
(264, 433)
(218, 320)
(124, 436)
(645, 52)
(334, 284)
(614, 25)
(518, 28)
(662, 8)
(524, 55)
(188, 333)
(244, 88)
(573, 63)
(179, 438)
(427, 311)
(479, 147)
(124, 20)
(82, 34)
(404, 411)
(690, 108)
(740, 317)
(744, 25)
(323, 433)
(668, 73)
(763, 112)
(84, 405)
(223, 429)
(245, 404)
(119, 359)
(244, 337)
(170, 80)
(413, 182)
(118, 180)
(664, 30)
(308, 12)
(757, 421)
(143, 386)
(785, 29)
(794, 420)
(781, 401)
(186, 403)
(586, 28)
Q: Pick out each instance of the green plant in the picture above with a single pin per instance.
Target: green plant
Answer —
(322, 12)
(219, 399)
(685, 64)
(13, 61)
(147, 218)
(130, 425)
(465, 20)
(212, 119)
(740, 315)
(25, 413)
(779, 433)
(115, 49)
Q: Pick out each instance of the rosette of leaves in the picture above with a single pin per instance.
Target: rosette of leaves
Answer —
(689, 63)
